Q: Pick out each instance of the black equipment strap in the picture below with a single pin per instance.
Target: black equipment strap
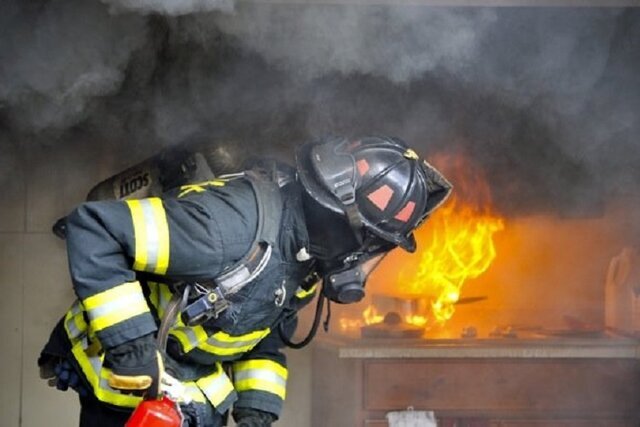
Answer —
(269, 202)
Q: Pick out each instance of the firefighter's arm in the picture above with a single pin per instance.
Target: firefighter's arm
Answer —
(260, 378)
(101, 248)
(107, 243)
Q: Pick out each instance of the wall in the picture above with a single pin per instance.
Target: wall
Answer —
(45, 182)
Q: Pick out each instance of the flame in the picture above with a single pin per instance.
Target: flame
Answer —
(458, 246)
(371, 315)
(454, 246)
(416, 319)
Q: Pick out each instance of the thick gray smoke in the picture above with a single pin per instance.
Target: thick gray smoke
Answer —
(57, 57)
(545, 100)
(398, 43)
(171, 7)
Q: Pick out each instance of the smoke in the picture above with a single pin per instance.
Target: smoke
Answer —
(171, 7)
(9, 159)
(398, 43)
(56, 57)
(546, 101)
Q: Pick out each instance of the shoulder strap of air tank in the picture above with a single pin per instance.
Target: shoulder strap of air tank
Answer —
(269, 203)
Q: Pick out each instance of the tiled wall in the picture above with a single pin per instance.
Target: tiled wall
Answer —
(46, 182)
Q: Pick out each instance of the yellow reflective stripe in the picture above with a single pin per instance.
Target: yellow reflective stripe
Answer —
(262, 364)
(302, 293)
(181, 335)
(74, 323)
(97, 377)
(140, 234)
(200, 187)
(220, 343)
(79, 323)
(189, 337)
(159, 296)
(165, 296)
(264, 375)
(125, 290)
(224, 344)
(251, 336)
(194, 393)
(115, 305)
(163, 236)
(216, 387)
(151, 233)
(154, 295)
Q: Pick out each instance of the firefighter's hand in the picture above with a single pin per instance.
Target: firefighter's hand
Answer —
(136, 366)
(61, 374)
(248, 417)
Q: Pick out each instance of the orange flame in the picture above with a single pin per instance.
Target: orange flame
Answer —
(371, 315)
(458, 245)
(454, 245)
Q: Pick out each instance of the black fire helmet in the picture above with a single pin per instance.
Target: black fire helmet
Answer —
(377, 182)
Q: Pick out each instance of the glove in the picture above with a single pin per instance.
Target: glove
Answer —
(249, 417)
(63, 375)
(136, 366)
(199, 415)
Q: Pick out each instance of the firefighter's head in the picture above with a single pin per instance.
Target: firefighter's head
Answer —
(363, 197)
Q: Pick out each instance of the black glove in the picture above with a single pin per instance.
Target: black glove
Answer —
(195, 414)
(248, 417)
(61, 374)
(136, 366)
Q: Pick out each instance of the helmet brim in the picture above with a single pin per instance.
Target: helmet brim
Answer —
(408, 243)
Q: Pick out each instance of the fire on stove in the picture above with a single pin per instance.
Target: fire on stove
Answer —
(456, 246)
(482, 274)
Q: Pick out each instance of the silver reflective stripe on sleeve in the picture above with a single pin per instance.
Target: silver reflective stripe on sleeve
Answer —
(151, 232)
(115, 305)
(218, 389)
(260, 375)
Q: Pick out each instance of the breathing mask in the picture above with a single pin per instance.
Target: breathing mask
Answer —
(345, 260)
(345, 284)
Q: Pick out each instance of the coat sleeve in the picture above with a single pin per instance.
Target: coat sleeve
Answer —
(109, 241)
(260, 377)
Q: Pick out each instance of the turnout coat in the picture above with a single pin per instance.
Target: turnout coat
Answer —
(119, 252)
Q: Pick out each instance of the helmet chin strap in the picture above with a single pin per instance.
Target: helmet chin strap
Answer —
(355, 221)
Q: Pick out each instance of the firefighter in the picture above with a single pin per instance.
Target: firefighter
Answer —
(203, 284)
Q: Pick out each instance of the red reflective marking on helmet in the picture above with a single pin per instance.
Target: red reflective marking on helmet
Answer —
(381, 197)
(406, 212)
(363, 166)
